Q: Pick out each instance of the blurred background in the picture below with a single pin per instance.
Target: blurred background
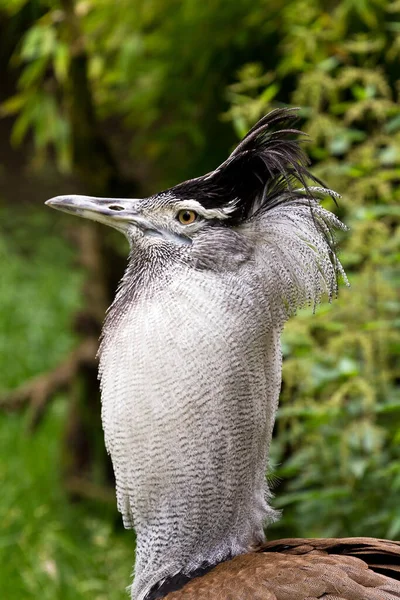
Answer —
(125, 98)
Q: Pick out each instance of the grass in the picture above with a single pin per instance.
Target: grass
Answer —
(50, 548)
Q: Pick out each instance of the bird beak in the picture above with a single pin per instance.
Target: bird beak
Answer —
(115, 212)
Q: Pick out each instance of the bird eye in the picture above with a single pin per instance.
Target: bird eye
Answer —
(186, 217)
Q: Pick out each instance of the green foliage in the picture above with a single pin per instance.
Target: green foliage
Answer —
(338, 431)
(178, 79)
(49, 548)
(39, 290)
(155, 72)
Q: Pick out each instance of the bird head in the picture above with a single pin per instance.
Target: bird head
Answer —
(164, 217)
(203, 218)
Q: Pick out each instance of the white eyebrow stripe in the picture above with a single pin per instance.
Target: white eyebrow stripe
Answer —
(207, 213)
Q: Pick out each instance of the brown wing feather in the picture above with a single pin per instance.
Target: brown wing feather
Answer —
(304, 569)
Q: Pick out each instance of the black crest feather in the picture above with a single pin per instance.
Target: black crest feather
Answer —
(264, 169)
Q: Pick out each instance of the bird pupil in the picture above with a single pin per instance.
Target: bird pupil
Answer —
(186, 216)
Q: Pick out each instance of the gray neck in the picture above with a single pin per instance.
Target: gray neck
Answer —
(190, 369)
(183, 364)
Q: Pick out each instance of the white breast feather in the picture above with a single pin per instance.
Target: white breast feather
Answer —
(190, 382)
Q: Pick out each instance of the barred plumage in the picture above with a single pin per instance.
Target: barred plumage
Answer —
(190, 359)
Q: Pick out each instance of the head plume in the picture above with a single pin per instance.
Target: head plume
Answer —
(265, 169)
(264, 190)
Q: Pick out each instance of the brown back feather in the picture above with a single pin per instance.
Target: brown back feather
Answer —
(304, 569)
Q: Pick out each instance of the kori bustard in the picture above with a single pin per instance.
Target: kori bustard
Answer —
(190, 369)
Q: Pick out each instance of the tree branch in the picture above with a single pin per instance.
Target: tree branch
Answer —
(81, 487)
(38, 392)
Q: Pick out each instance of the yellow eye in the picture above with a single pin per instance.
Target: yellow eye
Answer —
(186, 217)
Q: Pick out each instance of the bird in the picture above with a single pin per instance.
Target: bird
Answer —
(190, 373)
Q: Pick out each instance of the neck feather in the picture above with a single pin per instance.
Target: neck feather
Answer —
(173, 374)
